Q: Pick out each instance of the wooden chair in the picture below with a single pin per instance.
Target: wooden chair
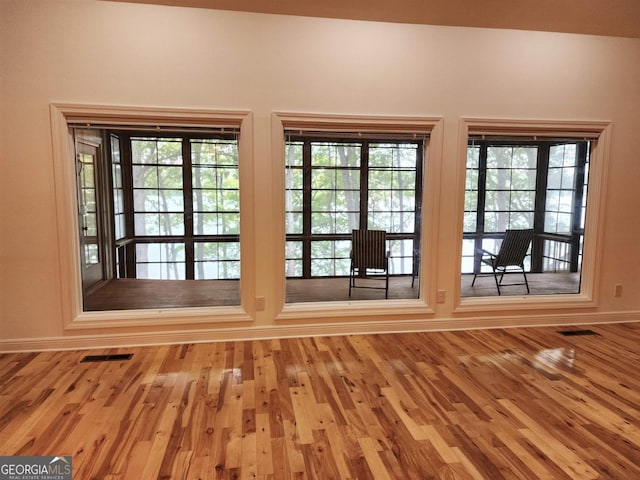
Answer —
(368, 252)
(512, 253)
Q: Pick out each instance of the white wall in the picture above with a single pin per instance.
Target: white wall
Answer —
(90, 52)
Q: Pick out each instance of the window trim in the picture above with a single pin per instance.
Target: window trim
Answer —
(427, 126)
(599, 132)
(61, 116)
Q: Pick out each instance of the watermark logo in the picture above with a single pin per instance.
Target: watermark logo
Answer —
(35, 468)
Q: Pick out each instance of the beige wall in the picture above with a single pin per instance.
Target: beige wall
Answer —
(91, 52)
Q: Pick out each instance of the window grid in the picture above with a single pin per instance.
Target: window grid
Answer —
(160, 261)
(157, 186)
(215, 187)
(186, 188)
(118, 190)
(560, 189)
(219, 260)
(510, 188)
(507, 186)
(333, 187)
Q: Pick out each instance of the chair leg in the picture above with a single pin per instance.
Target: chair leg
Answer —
(474, 279)
(386, 285)
(495, 276)
(525, 280)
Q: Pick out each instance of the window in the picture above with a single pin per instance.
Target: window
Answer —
(171, 202)
(534, 184)
(340, 183)
(110, 293)
(186, 213)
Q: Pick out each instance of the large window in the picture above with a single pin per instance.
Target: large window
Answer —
(527, 184)
(168, 204)
(185, 207)
(335, 185)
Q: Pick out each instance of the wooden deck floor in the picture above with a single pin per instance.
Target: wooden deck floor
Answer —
(135, 294)
(489, 404)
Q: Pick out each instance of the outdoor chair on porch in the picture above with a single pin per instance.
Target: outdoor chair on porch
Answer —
(511, 254)
(369, 253)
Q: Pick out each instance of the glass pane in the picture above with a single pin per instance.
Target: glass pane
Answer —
(87, 171)
(294, 223)
(323, 201)
(379, 220)
(568, 178)
(379, 200)
(293, 249)
(116, 170)
(293, 201)
(158, 224)
(473, 157)
(216, 251)
(333, 222)
(523, 179)
(119, 226)
(161, 271)
(551, 222)
(214, 152)
(553, 201)
(564, 223)
(216, 223)
(566, 201)
(499, 157)
(520, 220)
(380, 179)
(293, 268)
(335, 155)
(293, 154)
(293, 179)
(496, 200)
(524, 157)
(554, 178)
(170, 177)
(522, 200)
(470, 221)
(471, 182)
(556, 156)
(471, 200)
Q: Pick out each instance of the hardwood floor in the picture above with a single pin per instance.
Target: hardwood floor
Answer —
(487, 404)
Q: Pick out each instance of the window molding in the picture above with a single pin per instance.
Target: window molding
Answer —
(599, 133)
(61, 117)
(427, 126)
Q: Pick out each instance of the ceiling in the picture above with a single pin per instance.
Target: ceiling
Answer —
(598, 17)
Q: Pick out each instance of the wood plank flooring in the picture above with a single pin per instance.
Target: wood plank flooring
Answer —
(129, 293)
(486, 404)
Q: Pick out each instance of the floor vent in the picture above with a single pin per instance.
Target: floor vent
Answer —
(107, 358)
(577, 333)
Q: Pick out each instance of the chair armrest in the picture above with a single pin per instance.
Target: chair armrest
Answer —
(484, 252)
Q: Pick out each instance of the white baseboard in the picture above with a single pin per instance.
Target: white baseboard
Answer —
(105, 340)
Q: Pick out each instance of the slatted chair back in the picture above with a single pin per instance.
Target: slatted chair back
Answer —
(514, 247)
(368, 249)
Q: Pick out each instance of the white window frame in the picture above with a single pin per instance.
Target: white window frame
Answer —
(74, 318)
(597, 132)
(431, 126)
